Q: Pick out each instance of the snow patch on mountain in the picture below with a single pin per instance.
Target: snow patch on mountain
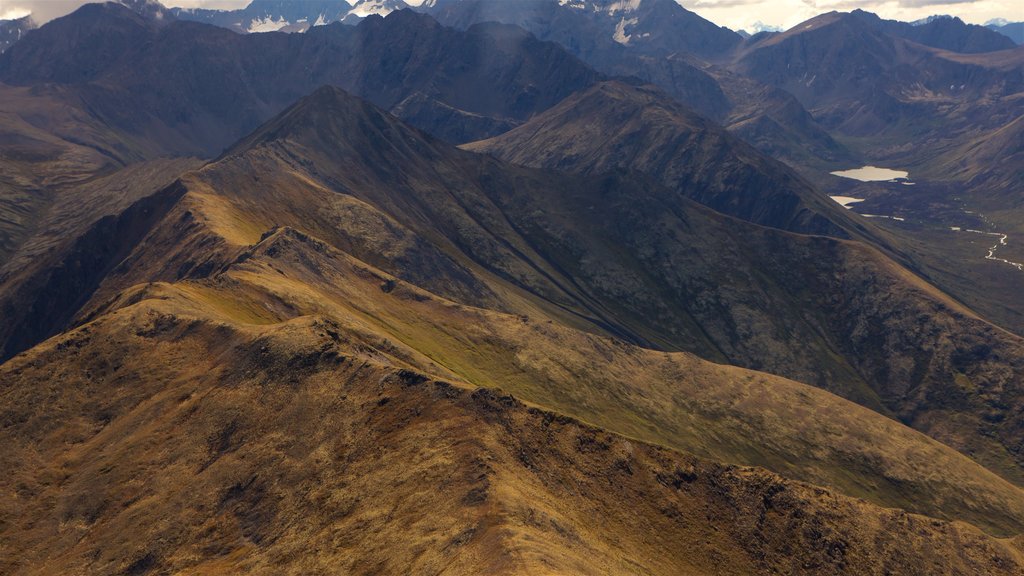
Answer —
(623, 6)
(267, 24)
(620, 35)
(365, 8)
(758, 27)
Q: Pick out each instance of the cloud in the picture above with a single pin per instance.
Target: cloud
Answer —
(41, 10)
(45, 10)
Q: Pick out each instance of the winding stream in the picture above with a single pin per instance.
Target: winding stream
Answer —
(1003, 239)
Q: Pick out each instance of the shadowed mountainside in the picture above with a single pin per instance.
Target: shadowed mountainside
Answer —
(669, 57)
(860, 82)
(194, 88)
(945, 32)
(616, 127)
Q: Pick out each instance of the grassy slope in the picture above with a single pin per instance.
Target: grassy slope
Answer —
(675, 400)
(177, 436)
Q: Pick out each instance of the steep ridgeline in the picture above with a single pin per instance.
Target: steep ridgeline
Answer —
(617, 254)
(660, 42)
(194, 89)
(617, 127)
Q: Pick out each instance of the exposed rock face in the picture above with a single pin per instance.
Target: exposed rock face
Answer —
(13, 30)
(590, 28)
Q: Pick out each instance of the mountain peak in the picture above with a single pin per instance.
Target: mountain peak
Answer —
(334, 123)
(54, 53)
(941, 31)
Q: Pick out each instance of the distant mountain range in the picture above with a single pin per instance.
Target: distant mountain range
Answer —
(1013, 30)
(289, 16)
(422, 71)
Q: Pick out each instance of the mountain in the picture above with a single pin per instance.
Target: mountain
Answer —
(859, 81)
(670, 57)
(269, 15)
(131, 120)
(759, 27)
(129, 71)
(13, 30)
(587, 27)
(1013, 30)
(613, 126)
(654, 137)
(945, 32)
(898, 104)
(273, 351)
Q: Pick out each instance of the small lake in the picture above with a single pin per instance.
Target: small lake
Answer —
(845, 201)
(873, 174)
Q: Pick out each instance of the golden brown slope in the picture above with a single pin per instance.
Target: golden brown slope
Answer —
(170, 436)
(676, 400)
(450, 223)
(622, 255)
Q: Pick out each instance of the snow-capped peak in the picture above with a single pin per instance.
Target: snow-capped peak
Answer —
(623, 6)
(364, 8)
(267, 24)
(758, 27)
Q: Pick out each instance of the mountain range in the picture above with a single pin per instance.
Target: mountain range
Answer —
(287, 16)
(510, 288)
(945, 32)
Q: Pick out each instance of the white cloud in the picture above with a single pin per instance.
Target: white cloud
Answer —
(45, 10)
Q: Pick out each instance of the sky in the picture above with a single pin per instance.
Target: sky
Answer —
(736, 14)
